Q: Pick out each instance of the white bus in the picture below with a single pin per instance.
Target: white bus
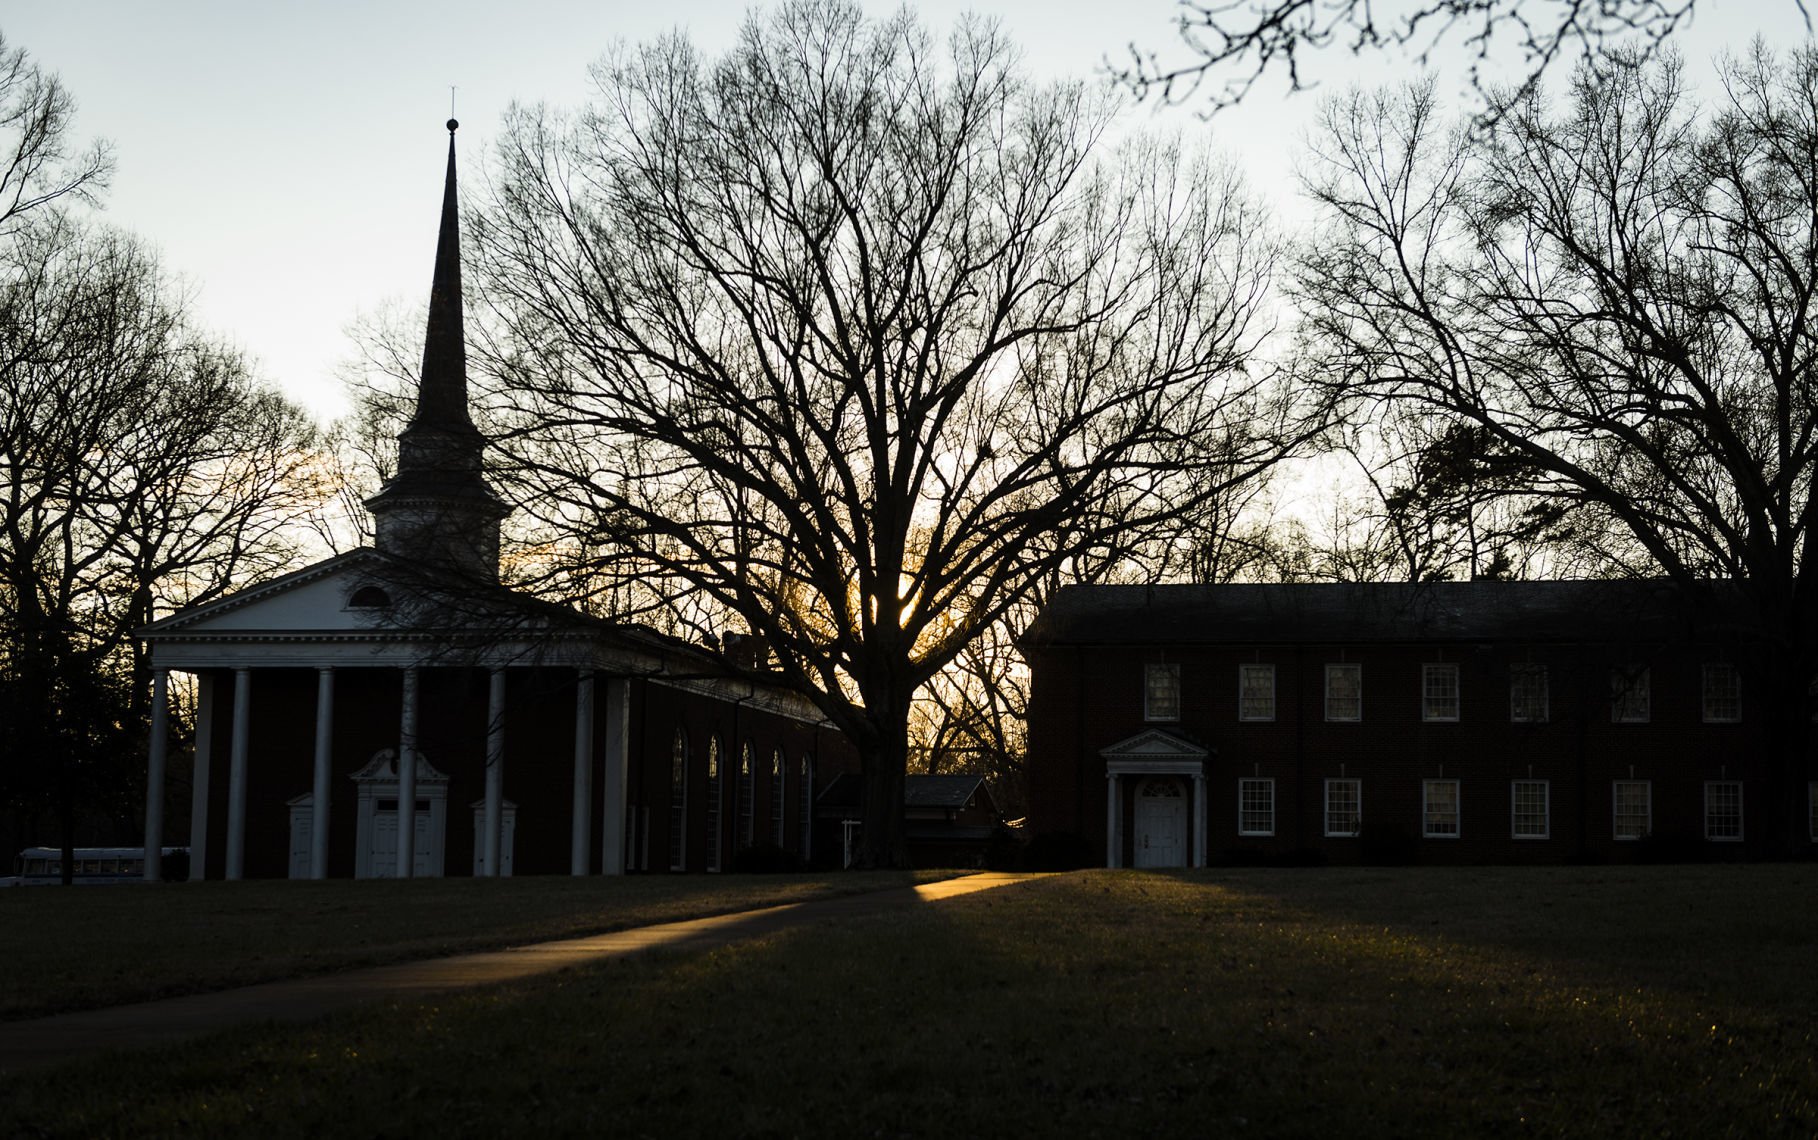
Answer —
(36, 866)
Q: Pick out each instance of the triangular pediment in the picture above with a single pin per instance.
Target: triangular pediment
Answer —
(1154, 744)
(314, 599)
(383, 769)
(361, 594)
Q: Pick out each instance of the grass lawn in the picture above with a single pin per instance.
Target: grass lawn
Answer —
(78, 948)
(1655, 1001)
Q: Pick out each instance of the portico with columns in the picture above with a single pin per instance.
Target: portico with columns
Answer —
(346, 711)
(1155, 801)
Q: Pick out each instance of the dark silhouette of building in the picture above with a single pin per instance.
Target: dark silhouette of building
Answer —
(1450, 722)
(528, 738)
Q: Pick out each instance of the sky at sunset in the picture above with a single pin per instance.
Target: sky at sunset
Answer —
(286, 158)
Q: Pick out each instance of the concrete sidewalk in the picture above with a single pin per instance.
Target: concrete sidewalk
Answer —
(47, 1041)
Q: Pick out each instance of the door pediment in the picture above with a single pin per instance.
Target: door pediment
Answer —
(1154, 752)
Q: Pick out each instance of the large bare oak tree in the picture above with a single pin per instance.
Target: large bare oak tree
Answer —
(861, 335)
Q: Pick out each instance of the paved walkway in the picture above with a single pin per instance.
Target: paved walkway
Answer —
(46, 1041)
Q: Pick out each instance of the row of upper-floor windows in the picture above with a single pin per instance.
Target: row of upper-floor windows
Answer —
(1440, 693)
(1530, 809)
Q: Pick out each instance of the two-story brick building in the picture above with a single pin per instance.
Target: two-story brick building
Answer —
(1446, 722)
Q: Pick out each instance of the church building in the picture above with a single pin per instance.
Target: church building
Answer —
(527, 738)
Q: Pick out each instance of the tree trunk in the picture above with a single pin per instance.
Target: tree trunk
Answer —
(884, 762)
(1788, 744)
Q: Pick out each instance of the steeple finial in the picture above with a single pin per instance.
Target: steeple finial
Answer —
(437, 509)
(442, 397)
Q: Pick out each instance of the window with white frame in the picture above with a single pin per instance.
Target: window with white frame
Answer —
(805, 841)
(1439, 692)
(777, 799)
(678, 804)
(1631, 809)
(1629, 695)
(1723, 810)
(713, 804)
(1344, 692)
(1256, 692)
(1528, 693)
(747, 793)
(1439, 809)
(1722, 693)
(1344, 807)
(1161, 692)
(1255, 807)
(1528, 809)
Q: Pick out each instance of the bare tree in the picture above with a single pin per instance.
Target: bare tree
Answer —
(1433, 500)
(40, 160)
(1231, 45)
(1620, 294)
(848, 334)
(140, 469)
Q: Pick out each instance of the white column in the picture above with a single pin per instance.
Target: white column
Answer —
(1199, 819)
(325, 731)
(236, 775)
(154, 775)
(583, 771)
(618, 748)
(407, 778)
(495, 769)
(198, 793)
(1114, 818)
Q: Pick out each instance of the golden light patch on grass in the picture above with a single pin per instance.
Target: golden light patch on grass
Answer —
(82, 948)
(1273, 1002)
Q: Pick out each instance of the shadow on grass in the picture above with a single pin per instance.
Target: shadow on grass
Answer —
(1092, 1004)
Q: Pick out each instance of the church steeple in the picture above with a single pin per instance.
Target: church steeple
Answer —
(442, 397)
(437, 511)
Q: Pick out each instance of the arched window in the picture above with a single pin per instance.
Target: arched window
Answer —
(678, 804)
(713, 804)
(747, 790)
(776, 797)
(806, 791)
(369, 598)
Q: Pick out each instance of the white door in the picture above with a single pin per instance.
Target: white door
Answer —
(302, 835)
(1161, 823)
(385, 842)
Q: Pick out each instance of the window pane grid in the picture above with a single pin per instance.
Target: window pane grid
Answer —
(678, 805)
(713, 805)
(1256, 807)
(1722, 693)
(1439, 692)
(1344, 692)
(1632, 809)
(1629, 696)
(1528, 694)
(1344, 807)
(1161, 692)
(1440, 809)
(1723, 810)
(1528, 809)
(1256, 692)
(747, 793)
